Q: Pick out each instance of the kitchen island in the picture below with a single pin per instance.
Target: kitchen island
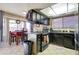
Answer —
(40, 41)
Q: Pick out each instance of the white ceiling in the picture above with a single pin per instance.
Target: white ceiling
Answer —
(19, 8)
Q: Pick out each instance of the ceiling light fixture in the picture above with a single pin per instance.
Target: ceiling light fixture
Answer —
(24, 13)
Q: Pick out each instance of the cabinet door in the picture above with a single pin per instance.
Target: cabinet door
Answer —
(50, 37)
(46, 21)
(58, 39)
(38, 17)
(55, 38)
(34, 16)
(41, 19)
(69, 41)
(38, 42)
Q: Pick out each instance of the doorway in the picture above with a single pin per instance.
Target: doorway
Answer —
(15, 31)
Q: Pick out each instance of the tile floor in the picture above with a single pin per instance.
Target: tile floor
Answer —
(57, 50)
(12, 50)
(51, 50)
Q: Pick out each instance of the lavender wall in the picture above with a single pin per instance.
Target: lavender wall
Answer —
(66, 22)
(57, 23)
(70, 22)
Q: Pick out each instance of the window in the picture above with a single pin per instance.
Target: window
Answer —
(57, 23)
(48, 11)
(34, 16)
(72, 7)
(13, 26)
(70, 22)
(60, 8)
(21, 25)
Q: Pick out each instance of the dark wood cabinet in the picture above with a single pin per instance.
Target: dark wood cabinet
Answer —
(58, 39)
(37, 17)
(42, 42)
(69, 41)
(39, 37)
(62, 39)
(51, 37)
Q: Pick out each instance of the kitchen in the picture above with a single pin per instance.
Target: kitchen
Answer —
(60, 32)
(51, 25)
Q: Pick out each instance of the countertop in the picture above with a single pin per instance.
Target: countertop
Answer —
(50, 32)
(63, 32)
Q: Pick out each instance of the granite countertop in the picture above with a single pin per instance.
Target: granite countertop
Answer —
(53, 32)
(33, 33)
(63, 32)
(50, 32)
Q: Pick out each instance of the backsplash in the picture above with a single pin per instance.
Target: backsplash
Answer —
(37, 28)
(40, 28)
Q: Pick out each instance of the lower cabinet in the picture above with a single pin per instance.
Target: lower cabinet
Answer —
(50, 37)
(69, 41)
(39, 42)
(42, 42)
(58, 39)
(62, 39)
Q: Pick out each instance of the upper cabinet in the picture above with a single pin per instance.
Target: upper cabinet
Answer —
(37, 17)
(34, 16)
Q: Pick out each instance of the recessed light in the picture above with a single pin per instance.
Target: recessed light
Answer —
(24, 13)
